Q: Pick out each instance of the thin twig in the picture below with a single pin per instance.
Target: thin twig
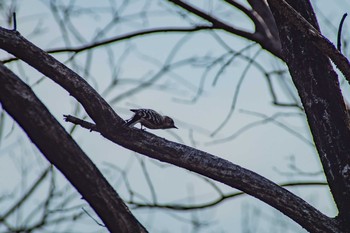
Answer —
(321, 42)
(100, 224)
(148, 179)
(82, 123)
(92, 45)
(27, 194)
(339, 31)
(219, 200)
(236, 94)
(14, 21)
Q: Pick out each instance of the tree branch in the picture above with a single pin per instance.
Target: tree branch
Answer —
(320, 93)
(223, 171)
(308, 30)
(15, 44)
(61, 150)
(257, 36)
(219, 200)
(79, 49)
(262, 9)
(339, 31)
(27, 194)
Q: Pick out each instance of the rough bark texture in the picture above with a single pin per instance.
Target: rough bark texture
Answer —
(319, 90)
(61, 150)
(14, 43)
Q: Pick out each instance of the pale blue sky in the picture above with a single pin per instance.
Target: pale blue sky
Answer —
(265, 149)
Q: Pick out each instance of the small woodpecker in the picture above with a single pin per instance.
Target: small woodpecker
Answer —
(150, 119)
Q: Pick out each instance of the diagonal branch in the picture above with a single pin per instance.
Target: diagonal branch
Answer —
(82, 48)
(308, 30)
(15, 44)
(62, 151)
(262, 9)
(214, 21)
(225, 172)
(219, 200)
(260, 25)
(307, 54)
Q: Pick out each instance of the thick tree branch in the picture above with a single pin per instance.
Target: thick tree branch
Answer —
(15, 44)
(60, 149)
(320, 93)
(312, 32)
(223, 171)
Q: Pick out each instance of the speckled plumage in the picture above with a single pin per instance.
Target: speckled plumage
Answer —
(150, 119)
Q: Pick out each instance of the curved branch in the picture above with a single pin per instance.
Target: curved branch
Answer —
(62, 151)
(222, 198)
(15, 44)
(225, 172)
(340, 30)
(261, 26)
(215, 22)
(307, 55)
(312, 33)
(79, 49)
(260, 36)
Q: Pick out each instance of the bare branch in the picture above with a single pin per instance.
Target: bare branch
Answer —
(321, 42)
(27, 194)
(82, 123)
(49, 136)
(339, 31)
(216, 23)
(236, 94)
(307, 54)
(67, 78)
(85, 47)
(219, 200)
(262, 35)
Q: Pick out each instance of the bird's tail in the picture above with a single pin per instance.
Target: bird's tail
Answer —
(131, 122)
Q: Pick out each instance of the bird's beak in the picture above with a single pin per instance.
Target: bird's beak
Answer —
(175, 127)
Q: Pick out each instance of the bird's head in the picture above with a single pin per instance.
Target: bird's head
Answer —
(169, 123)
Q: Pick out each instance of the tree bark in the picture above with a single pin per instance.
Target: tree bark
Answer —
(320, 93)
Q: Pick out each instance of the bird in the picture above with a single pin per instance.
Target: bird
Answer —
(150, 119)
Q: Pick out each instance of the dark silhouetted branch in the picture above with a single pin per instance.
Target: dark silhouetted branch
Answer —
(61, 150)
(339, 31)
